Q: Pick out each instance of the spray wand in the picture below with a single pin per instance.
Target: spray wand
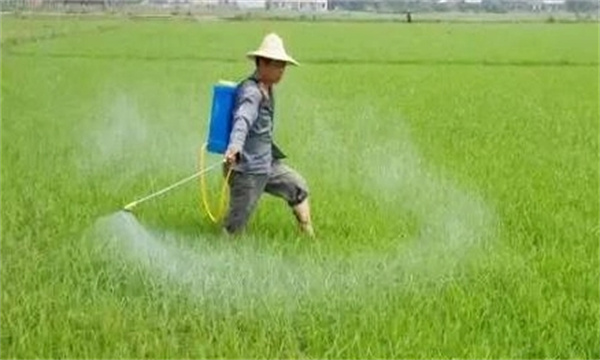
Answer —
(133, 204)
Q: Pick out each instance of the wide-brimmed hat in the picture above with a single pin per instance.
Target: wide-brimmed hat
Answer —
(272, 48)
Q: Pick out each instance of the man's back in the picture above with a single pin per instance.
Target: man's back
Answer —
(252, 130)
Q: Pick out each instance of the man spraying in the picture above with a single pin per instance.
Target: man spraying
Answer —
(255, 161)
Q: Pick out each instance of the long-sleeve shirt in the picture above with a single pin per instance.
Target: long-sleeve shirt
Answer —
(252, 128)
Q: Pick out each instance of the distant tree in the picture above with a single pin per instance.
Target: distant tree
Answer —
(581, 6)
(495, 6)
(396, 5)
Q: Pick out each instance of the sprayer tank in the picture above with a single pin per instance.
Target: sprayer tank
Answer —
(221, 116)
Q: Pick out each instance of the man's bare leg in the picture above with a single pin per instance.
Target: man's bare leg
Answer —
(302, 213)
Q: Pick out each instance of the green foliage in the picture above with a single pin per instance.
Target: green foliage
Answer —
(453, 172)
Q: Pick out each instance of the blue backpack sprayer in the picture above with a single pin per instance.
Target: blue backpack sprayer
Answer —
(220, 124)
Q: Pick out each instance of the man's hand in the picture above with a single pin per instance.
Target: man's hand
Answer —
(231, 155)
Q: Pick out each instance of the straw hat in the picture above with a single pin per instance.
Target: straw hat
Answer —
(272, 48)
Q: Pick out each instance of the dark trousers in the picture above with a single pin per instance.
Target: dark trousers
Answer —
(246, 189)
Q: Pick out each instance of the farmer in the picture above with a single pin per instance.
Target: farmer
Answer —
(255, 161)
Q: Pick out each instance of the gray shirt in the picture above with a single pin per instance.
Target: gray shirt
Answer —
(252, 129)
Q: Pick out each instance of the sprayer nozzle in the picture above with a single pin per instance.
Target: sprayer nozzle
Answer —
(129, 206)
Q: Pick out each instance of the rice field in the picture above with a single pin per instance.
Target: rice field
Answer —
(454, 176)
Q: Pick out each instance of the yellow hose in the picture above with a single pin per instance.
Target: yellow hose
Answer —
(218, 216)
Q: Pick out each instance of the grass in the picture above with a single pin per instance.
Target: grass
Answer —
(453, 171)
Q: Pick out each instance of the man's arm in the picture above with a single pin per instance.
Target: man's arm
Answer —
(243, 117)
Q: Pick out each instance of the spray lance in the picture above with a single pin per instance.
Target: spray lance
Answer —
(131, 205)
(218, 138)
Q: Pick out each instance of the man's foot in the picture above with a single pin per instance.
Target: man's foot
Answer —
(307, 229)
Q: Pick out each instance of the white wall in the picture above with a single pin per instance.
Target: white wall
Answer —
(251, 4)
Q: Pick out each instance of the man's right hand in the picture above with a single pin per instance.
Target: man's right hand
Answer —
(231, 156)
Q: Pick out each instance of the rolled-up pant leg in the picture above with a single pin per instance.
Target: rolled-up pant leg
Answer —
(286, 183)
